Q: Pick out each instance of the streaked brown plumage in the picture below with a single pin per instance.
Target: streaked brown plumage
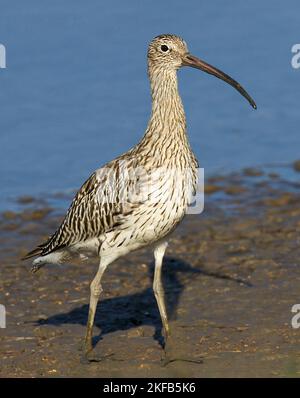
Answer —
(137, 199)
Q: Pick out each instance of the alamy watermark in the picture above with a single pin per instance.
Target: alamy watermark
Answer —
(296, 58)
(296, 318)
(172, 189)
(2, 56)
(2, 317)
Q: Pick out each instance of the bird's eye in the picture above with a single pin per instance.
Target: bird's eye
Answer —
(164, 48)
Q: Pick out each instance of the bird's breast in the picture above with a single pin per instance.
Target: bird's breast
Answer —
(157, 203)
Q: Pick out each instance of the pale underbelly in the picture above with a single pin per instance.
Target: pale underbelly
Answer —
(145, 227)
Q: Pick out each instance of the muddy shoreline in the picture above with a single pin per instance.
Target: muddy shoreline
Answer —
(231, 277)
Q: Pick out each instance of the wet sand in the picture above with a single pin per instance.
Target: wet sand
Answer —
(231, 277)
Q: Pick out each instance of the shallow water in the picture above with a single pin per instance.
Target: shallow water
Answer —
(75, 91)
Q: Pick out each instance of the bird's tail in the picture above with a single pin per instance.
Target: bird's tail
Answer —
(39, 261)
(43, 258)
(33, 253)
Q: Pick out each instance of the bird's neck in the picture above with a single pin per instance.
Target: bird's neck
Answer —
(167, 121)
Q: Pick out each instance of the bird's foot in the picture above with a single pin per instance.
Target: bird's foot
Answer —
(92, 357)
(88, 355)
(85, 346)
(172, 354)
(170, 357)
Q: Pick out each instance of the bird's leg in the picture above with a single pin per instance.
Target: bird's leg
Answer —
(96, 290)
(158, 289)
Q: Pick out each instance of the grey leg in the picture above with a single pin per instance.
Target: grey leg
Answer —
(96, 290)
(159, 252)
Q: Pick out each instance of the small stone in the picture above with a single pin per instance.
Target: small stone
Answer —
(35, 214)
(210, 189)
(11, 227)
(296, 165)
(282, 200)
(252, 172)
(235, 190)
(9, 215)
(273, 176)
(24, 200)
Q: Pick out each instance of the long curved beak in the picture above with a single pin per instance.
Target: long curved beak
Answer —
(194, 62)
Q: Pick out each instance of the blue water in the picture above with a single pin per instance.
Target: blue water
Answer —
(75, 91)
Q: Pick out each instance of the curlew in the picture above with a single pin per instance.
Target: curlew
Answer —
(139, 198)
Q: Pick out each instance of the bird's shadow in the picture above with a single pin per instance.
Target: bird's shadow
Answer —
(132, 310)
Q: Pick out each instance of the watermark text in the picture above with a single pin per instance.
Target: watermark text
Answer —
(296, 58)
(2, 56)
(2, 316)
(174, 189)
(296, 318)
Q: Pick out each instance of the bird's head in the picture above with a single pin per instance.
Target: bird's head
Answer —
(169, 52)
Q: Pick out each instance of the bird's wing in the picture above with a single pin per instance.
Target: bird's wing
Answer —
(98, 207)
